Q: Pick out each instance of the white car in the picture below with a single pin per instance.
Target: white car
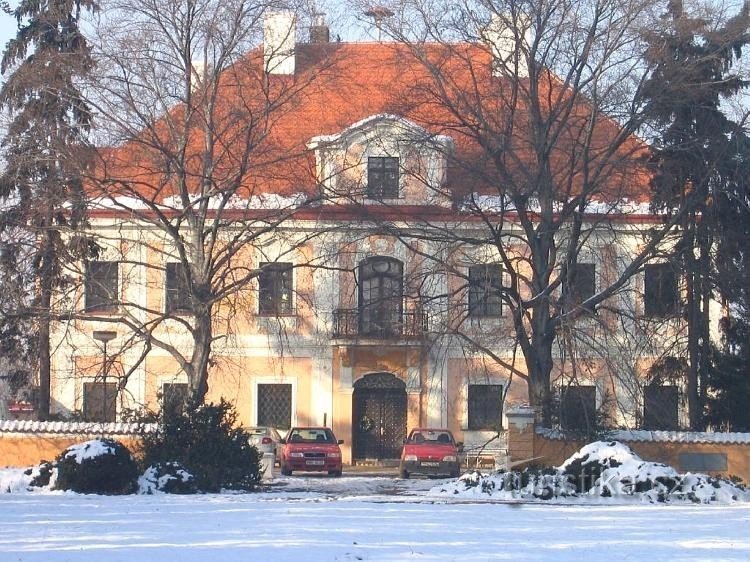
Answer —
(265, 439)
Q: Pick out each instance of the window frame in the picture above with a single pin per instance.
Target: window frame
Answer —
(485, 293)
(102, 286)
(177, 388)
(653, 417)
(383, 177)
(259, 389)
(384, 315)
(587, 408)
(176, 298)
(108, 409)
(656, 302)
(578, 292)
(276, 289)
(481, 422)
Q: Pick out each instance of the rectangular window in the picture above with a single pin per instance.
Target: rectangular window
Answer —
(382, 177)
(485, 290)
(660, 407)
(99, 401)
(584, 282)
(275, 288)
(177, 297)
(101, 285)
(275, 405)
(173, 397)
(578, 408)
(661, 296)
(485, 406)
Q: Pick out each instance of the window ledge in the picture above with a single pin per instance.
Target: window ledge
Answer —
(381, 200)
(274, 315)
(109, 312)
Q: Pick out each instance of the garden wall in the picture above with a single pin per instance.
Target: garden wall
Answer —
(26, 443)
(727, 454)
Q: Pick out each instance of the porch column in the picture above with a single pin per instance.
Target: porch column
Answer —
(521, 433)
(413, 409)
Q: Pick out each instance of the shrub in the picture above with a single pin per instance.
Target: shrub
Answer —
(206, 442)
(168, 477)
(100, 466)
(40, 475)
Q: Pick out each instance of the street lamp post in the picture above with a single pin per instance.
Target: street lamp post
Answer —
(104, 336)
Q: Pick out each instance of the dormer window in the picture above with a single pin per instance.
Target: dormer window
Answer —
(382, 177)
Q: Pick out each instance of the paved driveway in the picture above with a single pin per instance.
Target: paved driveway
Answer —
(351, 484)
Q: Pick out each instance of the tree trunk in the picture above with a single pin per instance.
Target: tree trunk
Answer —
(46, 281)
(539, 364)
(202, 337)
(693, 315)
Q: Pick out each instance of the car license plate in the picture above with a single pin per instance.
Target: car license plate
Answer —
(425, 463)
(316, 463)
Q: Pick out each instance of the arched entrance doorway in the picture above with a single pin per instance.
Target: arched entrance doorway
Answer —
(378, 417)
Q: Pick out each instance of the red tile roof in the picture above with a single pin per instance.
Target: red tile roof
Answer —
(337, 84)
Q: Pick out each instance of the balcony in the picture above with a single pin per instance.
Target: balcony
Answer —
(351, 323)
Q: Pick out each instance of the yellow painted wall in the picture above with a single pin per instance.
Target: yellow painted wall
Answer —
(22, 450)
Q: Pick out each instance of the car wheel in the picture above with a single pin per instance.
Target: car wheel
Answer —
(455, 473)
(285, 471)
(336, 473)
(402, 473)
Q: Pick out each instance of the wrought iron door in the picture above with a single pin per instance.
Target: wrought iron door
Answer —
(379, 417)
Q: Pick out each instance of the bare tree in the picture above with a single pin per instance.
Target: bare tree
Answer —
(544, 100)
(187, 101)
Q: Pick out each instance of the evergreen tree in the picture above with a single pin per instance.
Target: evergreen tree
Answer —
(700, 161)
(44, 149)
(729, 379)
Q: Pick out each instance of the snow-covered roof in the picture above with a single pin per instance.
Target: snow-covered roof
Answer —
(632, 435)
(263, 201)
(395, 120)
(114, 428)
(499, 203)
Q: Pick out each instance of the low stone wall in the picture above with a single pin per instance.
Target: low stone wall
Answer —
(684, 456)
(25, 444)
(726, 454)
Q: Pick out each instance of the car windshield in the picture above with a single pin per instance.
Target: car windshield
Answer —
(427, 437)
(317, 435)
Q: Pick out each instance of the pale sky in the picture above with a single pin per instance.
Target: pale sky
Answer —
(7, 29)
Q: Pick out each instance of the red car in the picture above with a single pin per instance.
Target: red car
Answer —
(430, 451)
(311, 449)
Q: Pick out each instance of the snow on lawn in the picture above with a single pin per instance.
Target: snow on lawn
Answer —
(65, 527)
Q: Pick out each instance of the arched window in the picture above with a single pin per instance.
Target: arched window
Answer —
(381, 281)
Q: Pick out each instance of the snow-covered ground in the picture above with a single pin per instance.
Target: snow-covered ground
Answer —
(356, 518)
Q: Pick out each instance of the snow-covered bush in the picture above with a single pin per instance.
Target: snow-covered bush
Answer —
(600, 469)
(100, 466)
(613, 469)
(701, 488)
(206, 441)
(542, 483)
(43, 475)
(169, 478)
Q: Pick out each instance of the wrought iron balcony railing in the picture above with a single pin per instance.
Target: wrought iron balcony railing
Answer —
(353, 322)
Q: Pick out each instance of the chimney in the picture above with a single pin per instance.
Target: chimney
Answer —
(508, 39)
(279, 37)
(319, 32)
